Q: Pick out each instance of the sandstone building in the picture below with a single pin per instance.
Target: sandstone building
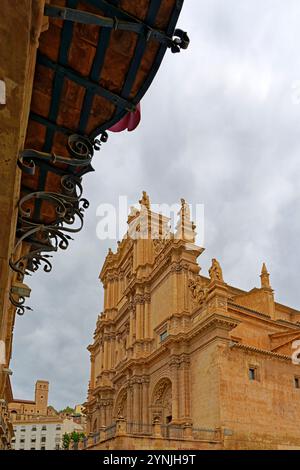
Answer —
(181, 360)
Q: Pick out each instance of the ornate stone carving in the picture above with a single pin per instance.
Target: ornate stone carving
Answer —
(159, 394)
(122, 404)
(198, 290)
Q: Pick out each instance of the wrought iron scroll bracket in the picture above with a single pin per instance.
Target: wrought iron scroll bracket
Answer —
(69, 206)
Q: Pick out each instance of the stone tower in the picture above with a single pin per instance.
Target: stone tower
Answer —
(41, 396)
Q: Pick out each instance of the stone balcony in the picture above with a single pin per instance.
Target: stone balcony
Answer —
(128, 435)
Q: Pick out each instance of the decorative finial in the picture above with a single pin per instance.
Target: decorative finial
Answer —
(215, 271)
(110, 253)
(265, 277)
(145, 201)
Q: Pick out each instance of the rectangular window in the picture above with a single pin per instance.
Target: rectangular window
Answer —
(44, 428)
(163, 335)
(297, 382)
(32, 448)
(33, 439)
(33, 428)
(22, 441)
(252, 373)
(43, 439)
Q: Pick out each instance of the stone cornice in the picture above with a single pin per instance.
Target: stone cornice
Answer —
(264, 352)
(214, 321)
(248, 310)
(254, 313)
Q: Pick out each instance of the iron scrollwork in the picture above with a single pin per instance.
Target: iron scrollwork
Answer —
(69, 206)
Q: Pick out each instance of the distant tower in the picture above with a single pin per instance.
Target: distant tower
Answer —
(41, 396)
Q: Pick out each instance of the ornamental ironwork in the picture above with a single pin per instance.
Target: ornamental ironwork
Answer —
(94, 64)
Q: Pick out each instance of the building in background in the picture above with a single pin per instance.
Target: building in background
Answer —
(181, 360)
(38, 426)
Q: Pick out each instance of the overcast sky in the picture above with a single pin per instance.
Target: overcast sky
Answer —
(220, 126)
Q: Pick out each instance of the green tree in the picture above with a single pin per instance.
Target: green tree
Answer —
(68, 410)
(66, 441)
(76, 436)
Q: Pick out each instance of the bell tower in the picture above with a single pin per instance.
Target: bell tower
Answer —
(41, 396)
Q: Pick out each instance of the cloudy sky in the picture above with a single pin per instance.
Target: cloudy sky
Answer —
(220, 126)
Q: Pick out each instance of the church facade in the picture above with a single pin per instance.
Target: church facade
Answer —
(181, 360)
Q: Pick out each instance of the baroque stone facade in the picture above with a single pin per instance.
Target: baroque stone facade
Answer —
(180, 360)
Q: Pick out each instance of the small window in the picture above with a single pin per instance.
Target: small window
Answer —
(44, 428)
(23, 429)
(33, 428)
(163, 335)
(43, 448)
(252, 373)
(22, 441)
(58, 427)
(43, 439)
(57, 447)
(297, 382)
(32, 448)
(33, 439)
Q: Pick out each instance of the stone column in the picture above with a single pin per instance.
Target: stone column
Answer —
(109, 411)
(102, 415)
(184, 388)
(105, 358)
(101, 357)
(146, 318)
(145, 400)
(129, 403)
(137, 404)
(138, 322)
(174, 365)
(109, 353)
(92, 383)
(130, 338)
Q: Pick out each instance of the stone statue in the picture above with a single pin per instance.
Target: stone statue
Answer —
(215, 271)
(145, 201)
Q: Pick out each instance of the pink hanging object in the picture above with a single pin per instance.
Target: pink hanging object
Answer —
(130, 121)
